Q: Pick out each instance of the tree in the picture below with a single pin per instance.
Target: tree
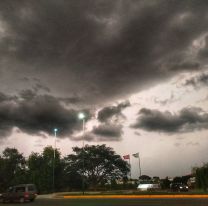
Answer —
(202, 177)
(41, 169)
(185, 178)
(13, 167)
(2, 179)
(165, 183)
(72, 179)
(97, 164)
(177, 180)
(156, 179)
(144, 178)
(35, 166)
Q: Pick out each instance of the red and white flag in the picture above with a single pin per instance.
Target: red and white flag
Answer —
(126, 157)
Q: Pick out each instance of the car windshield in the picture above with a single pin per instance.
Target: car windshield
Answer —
(20, 189)
(31, 188)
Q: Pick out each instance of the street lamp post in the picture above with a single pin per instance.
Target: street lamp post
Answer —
(54, 157)
(81, 116)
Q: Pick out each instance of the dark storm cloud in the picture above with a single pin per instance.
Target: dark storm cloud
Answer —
(39, 86)
(102, 133)
(37, 114)
(89, 137)
(71, 100)
(108, 112)
(27, 94)
(203, 52)
(4, 97)
(188, 119)
(198, 81)
(185, 66)
(108, 130)
(100, 49)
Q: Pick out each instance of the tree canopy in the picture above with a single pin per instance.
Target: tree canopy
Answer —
(41, 169)
(101, 165)
(202, 177)
(12, 167)
(97, 163)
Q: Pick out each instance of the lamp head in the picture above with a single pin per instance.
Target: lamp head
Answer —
(81, 115)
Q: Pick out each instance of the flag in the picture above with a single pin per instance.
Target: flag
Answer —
(136, 155)
(126, 157)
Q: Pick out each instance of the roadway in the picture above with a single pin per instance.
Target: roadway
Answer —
(116, 202)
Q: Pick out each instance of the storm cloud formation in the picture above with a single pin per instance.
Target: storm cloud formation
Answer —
(111, 128)
(55, 54)
(188, 119)
(108, 112)
(198, 81)
(102, 133)
(108, 130)
(35, 114)
(101, 50)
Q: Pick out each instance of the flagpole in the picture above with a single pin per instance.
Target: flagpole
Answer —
(130, 167)
(140, 172)
(127, 157)
(136, 155)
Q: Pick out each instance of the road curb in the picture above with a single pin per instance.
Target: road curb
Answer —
(133, 196)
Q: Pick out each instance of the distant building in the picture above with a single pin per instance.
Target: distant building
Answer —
(191, 182)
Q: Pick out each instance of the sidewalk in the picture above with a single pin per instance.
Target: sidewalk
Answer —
(47, 196)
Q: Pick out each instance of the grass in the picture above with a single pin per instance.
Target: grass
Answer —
(131, 192)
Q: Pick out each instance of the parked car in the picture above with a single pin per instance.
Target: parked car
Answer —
(148, 186)
(21, 193)
(180, 187)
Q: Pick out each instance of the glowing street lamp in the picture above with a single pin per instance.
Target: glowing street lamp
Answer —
(81, 116)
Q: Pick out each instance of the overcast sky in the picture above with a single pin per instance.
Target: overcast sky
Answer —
(137, 69)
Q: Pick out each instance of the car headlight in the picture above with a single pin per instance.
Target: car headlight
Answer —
(180, 187)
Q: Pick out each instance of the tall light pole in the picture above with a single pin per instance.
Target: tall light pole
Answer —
(54, 157)
(81, 116)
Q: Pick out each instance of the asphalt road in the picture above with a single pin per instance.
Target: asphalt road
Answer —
(116, 202)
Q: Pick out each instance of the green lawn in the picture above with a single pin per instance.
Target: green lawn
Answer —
(130, 192)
